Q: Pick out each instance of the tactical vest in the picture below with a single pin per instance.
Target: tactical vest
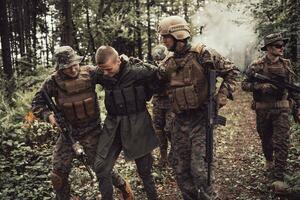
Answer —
(125, 101)
(188, 84)
(77, 98)
(279, 71)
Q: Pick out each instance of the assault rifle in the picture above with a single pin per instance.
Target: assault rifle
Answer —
(66, 131)
(212, 119)
(282, 85)
(277, 82)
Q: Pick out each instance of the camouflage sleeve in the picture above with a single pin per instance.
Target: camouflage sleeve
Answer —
(39, 106)
(225, 69)
(248, 82)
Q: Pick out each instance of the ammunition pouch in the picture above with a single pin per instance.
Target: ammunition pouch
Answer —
(125, 101)
(76, 98)
(185, 98)
(81, 110)
(271, 105)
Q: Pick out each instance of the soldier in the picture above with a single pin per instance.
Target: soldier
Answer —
(188, 92)
(128, 125)
(162, 115)
(73, 88)
(272, 104)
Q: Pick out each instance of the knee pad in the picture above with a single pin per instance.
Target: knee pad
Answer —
(58, 180)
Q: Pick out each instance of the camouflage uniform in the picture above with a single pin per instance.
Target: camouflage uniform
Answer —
(162, 121)
(85, 125)
(272, 109)
(162, 115)
(188, 94)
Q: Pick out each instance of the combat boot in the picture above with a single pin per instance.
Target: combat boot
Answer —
(126, 190)
(279, 187)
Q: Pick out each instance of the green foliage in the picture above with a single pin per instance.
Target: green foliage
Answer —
(22, 158)
(279, 16)
(293, 178)
(32, 79)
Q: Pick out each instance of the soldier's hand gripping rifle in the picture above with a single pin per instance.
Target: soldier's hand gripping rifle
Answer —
(212, 119)
(280, 84)
(66, 131)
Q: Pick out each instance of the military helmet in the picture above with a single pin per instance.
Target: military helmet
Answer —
(65, 57)
(159, 52)
(175, 26)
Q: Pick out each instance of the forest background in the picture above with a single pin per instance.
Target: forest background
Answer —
(32, 29)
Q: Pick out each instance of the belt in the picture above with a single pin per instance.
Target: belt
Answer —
(275, 104)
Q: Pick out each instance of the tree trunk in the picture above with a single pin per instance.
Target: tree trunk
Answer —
(46, 39)
(185, 7)
(297, 4)
(67, 30)
(6, 54)
(27, 28)
(12, 37)
(75, 40)
(149, 56)
(138, 29)
(100, 10)
(34, 24)
(91, 44)
(19, 20)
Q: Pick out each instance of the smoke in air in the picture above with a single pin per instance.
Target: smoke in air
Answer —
(229, 30)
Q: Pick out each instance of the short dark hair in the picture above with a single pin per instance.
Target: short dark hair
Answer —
(104, 53)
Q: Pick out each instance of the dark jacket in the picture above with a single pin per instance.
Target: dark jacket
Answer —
(135, 128)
